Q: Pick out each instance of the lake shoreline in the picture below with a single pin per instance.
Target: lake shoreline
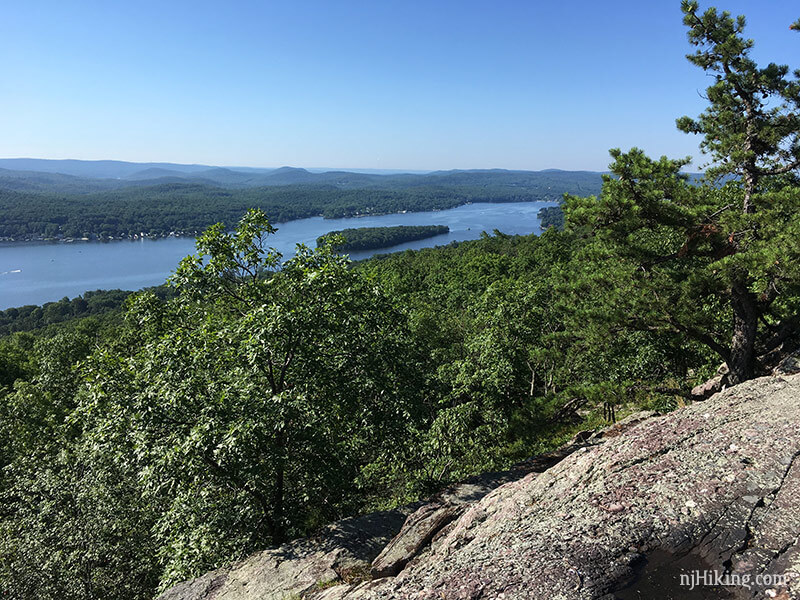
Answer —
(185, 234)
(36, 271)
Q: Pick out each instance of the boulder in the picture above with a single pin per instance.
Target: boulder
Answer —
(712, 386)
(343, 551)
(417, 532)
(790, 365)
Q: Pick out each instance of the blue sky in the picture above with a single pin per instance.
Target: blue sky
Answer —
(378, 84)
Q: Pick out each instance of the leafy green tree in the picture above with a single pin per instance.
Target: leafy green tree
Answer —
(15, 360)
(75, 526)
(72, 523)
(256, 396)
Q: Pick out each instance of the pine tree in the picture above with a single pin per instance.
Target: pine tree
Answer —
(717, 262)
(751, 130)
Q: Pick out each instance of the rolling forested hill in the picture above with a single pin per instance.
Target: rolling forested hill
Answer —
(77, 176)
(44, 205)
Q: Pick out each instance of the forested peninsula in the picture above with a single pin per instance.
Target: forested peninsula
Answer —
(371, 238)
(551, 216)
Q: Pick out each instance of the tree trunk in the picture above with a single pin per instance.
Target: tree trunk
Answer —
(745, 324)
(750, 182)
(533, 379)
(279, 534)
(280, 527)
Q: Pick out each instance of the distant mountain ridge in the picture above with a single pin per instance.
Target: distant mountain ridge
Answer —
(92, 169)
(77, 176)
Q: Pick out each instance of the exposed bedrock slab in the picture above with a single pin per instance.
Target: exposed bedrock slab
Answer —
(618, 514)
(715, 485)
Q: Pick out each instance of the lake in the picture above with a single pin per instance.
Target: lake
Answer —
(35, 273)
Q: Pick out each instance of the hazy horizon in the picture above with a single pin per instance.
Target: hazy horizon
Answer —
(312, 169)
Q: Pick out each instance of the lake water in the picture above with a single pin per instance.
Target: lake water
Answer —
(35, 273)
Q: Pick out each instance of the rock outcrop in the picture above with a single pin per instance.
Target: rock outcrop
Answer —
(713, 385)
(789, 365)
(341, 552)
(428, 525)
(712, 488)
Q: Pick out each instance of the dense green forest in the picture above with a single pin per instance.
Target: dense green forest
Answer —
(260, 399)
(370, 238)
(186, 208)
(551, 216)
(98, 302)
(247, 410)
(27, 318)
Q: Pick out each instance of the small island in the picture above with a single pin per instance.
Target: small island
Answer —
(371, 238)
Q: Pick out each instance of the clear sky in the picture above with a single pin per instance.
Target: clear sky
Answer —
(371, 84)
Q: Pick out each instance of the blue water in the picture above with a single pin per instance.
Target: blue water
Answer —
(35, 273)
